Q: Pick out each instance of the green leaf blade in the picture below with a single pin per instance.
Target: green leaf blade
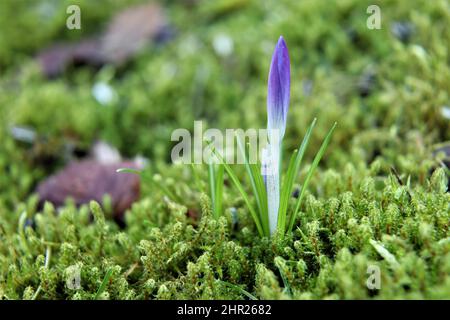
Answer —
(313, 167)
(292, 173)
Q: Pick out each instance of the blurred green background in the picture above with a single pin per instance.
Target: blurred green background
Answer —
(335, 60)
(388, 89)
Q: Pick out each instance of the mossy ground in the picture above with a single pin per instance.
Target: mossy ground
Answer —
(357, 213)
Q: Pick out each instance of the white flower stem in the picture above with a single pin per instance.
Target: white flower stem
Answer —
(272, 179)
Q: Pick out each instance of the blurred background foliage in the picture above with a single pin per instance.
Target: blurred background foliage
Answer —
(388, 89)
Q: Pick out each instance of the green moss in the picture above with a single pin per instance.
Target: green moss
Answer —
(164, 255)
(376, 200)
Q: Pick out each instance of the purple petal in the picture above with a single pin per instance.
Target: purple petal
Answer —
(279, 88)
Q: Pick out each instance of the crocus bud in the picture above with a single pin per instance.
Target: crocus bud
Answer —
(278, 90)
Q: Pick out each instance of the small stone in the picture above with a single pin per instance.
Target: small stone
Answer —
(366, 83)
(443, 149)
(307, 86)
(402, 31)
(223, 45)
(103, 93)
(128, 32)
(296, 193)
(105, 153)
(23, 134)
(446, 112)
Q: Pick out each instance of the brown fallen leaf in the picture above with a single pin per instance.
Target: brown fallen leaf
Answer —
(127, 33)
(130, 31)
(54, 60)
(88, 180)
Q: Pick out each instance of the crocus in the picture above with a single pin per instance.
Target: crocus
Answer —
(278, 93)
(277, 107)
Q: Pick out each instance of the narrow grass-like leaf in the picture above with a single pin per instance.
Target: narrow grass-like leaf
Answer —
(241, 190)
(21, 231)
(212, 187)
(313, 167)
(215, 177)
(292, 173)
(259, 190)
(219, 190)
(169, 193)
(278, 264)
(237, 288)
(145, 174)
(48, 254)
(244, 195)
(104, 283)
(285, 194)
(249, 171)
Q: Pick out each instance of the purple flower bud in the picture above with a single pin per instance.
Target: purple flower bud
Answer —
(278, 89)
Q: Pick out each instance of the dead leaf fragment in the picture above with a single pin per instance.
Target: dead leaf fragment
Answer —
(88, 180)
